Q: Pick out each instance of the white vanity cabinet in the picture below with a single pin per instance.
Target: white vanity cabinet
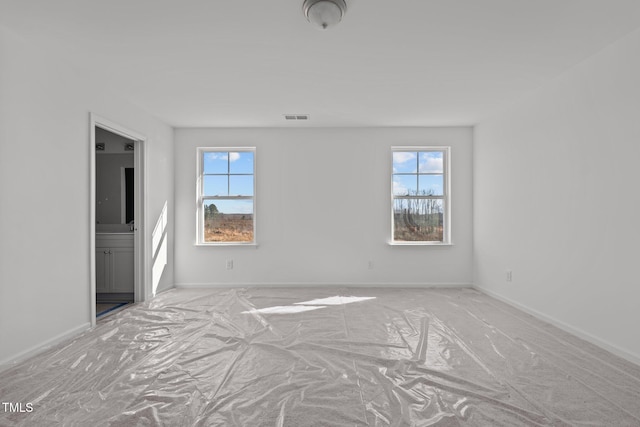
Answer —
(114, 263)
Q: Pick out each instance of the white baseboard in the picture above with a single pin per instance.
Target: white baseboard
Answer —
(23, 355)
(320, 285)
(565, 327)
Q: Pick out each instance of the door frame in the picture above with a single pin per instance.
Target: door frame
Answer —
(142, 279)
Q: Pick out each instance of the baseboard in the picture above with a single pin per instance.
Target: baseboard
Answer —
(565, 327)
(316, 284)
(23, 355)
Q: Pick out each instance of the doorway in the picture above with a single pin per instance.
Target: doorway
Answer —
(117, 267)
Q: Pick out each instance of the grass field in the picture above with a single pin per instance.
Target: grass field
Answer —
(418, 228)
(423, 234)
(229, 228)
(239, 228)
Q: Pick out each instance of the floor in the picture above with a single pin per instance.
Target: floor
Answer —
(109, 308)
(323, 357)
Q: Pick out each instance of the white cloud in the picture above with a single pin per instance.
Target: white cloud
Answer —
(403, 156)
(217, 156)
(431, 165)
(399, 189)
(223, 156)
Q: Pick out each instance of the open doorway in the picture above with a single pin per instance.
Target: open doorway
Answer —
(115, 222)
(117, 218)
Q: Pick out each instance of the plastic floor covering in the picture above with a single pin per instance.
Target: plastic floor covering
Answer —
(322, 357)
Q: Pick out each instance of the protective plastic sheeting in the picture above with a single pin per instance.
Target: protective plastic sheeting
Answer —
(323, 357)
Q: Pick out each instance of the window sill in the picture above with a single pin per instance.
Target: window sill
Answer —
(420, 244)
(226, 244)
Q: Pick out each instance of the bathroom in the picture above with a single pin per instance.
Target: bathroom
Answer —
(115, 227)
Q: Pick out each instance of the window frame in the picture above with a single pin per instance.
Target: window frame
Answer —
(201, 198)
(445, 197)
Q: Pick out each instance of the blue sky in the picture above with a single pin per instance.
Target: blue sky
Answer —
(417, 163)
(224, 176)
(232, 206)
(227, 183)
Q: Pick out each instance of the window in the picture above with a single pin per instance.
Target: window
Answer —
(226, 196)
(420, 195)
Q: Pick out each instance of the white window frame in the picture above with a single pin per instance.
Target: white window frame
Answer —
(201, 198)
(446, 197)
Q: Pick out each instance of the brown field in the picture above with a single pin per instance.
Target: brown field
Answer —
(417, 228)
(423, 234)
(229, 228)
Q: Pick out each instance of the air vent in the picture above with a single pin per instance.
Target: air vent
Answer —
(296, 117)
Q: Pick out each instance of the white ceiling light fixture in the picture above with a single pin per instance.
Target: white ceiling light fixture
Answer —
(324, 13)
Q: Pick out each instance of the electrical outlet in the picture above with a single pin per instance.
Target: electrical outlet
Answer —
(508, 276)
(229, 264)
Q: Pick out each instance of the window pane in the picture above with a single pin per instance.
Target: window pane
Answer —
(216, 162)
(241, 185)
(215, 185)
(405, 162)
(241, 162)
(228, 221)
(431, 162)
(418, 220)
(431, 185)
(405, 185)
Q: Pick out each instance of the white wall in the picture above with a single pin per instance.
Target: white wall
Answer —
(323, 209)
(44, 192)
(557, 200)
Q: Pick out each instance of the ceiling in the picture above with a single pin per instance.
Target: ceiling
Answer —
(198, 63)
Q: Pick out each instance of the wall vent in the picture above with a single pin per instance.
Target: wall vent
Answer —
(296, 117)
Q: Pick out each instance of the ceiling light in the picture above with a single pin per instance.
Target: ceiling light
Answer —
(324, 13)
